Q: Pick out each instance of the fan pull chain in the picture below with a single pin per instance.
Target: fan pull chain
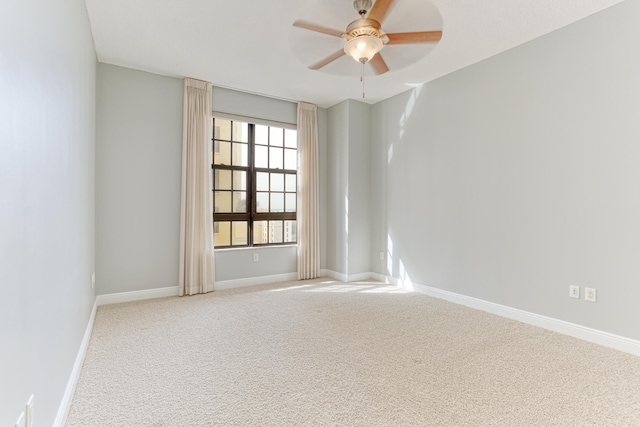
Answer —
(362, 77)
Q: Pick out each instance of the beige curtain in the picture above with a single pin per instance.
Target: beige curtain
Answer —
(308, 193)
(196, 228)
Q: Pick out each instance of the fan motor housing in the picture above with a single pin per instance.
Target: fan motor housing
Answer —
(360, 27)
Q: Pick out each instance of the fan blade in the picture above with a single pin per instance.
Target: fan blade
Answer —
(378, 64)
(420, 37)
(329, 59)
(380, 9)
(318, 28)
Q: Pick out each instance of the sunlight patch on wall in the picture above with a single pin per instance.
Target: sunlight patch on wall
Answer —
(408, 109)
(389, 255)
(405, 281)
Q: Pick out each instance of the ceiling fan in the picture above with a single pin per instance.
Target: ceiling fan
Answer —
(364, 38)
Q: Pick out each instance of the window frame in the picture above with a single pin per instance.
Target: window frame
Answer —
(251, 215)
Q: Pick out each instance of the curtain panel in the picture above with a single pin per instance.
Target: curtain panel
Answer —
(196, 268)
(308, 193)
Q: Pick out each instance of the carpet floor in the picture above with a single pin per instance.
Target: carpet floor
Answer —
(326, 353)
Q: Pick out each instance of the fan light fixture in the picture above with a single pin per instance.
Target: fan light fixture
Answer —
(363, 48)
(363, 35)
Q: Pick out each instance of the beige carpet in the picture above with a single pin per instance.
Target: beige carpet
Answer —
(325, 353)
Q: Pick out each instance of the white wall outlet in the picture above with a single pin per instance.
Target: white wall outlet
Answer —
(20, 420)
(29, 412)
(93, 280)
(590, 294)
(574, 291)
(381, 256)
(255, 258)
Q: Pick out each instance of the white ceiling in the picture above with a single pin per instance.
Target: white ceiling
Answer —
(251, 45)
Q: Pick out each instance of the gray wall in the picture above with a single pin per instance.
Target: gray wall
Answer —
(139, 140)
(516, 177)
(47, 148)
(359, 187)
(337, 186)
(348, 181)
(138, 174)
(254, 106)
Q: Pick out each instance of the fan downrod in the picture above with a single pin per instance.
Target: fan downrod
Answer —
(362, 6)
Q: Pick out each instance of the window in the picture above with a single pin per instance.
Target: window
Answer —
(254, 184)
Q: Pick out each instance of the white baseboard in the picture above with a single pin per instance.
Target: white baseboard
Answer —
(358, 277)
(65, 405)
(381, 278)
(334, 275)
(254, 281)
(346, 278)
(171, 291)
(596, 336)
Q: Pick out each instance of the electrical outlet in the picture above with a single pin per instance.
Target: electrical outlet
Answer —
(574, 291)
(381, 256)
(93, 280)
(29, 412)
(590, 294)
(255, 258)
(20, 421)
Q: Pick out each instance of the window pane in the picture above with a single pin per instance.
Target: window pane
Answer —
(262, 134)
(224, 156)
(290, 138)
(290, 159)
(216, 150)
(239, 233)
(239, 201)
(275, 158)
(290, 231)
(222, 201)
(221, 233)
(240, 154)
(277, 182)
(239, 180)
(240, 132)
(262, 202)
(222, 129)
(263, 181)
(290, 202)
(275, 231)
(222, 180)
(290, 182)
(262, 157)
(260, 232)
(276, 136)
(277, 202)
